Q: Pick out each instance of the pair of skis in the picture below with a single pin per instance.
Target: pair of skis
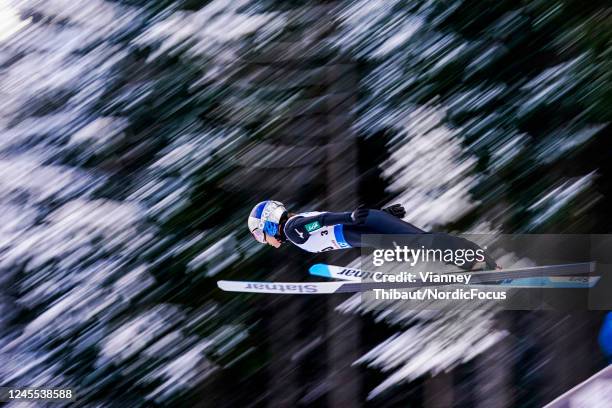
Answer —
(550, 276)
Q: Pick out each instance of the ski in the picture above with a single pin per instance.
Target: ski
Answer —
(311, 288)
(565, 282)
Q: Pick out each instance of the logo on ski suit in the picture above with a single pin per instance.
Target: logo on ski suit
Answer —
(322, 238)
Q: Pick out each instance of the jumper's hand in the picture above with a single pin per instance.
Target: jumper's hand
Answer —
(396, 210)
(359, 215)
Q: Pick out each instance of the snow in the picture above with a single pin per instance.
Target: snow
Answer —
(99, 131)
(475, 98)
(429, 172)
(401, 37)
(431, 339)
(136, 281)
(550, 85)
(596, 394)
(215, 24)
(358, 20)
(133, 336)
(189, 368)
(559, 143)
(593, 392)
(216, 256)
(408, 356)
(40, 182)
(555, 199)
(508, 150)
(190, 152)
(95, 16)
(10, 23)
(68, 255)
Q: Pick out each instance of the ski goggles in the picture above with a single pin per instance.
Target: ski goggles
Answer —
(259, 235)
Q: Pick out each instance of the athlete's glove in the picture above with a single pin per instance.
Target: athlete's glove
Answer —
(359, 215)
(396, 210)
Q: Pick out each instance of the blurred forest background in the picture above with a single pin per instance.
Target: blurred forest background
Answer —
(137, 135)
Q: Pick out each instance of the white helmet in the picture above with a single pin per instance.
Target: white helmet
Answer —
(265, 218)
